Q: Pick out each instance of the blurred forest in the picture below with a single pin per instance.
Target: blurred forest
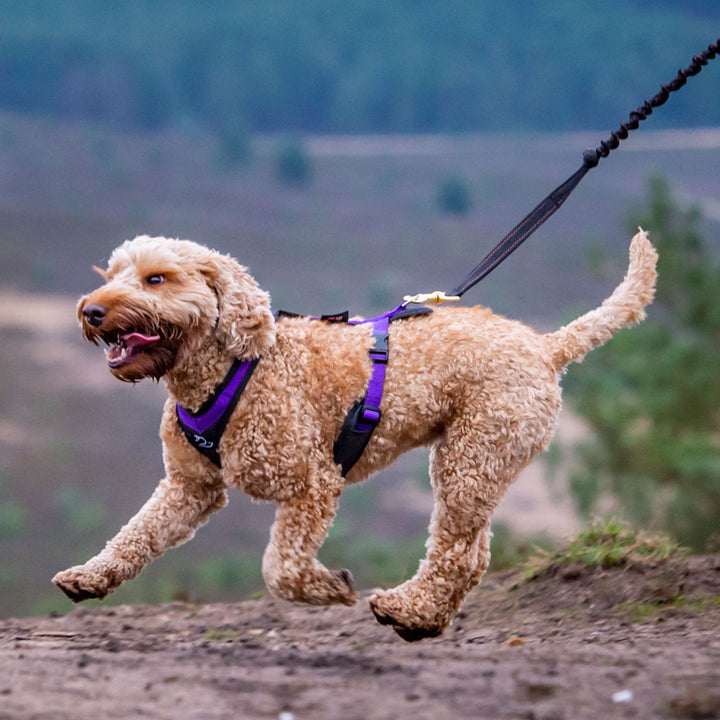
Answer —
(376, 66)
(348, 153)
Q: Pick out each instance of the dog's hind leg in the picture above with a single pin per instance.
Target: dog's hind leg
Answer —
(290, 567)
(470, 472)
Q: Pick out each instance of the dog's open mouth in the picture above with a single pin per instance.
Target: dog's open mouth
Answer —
(123, 349)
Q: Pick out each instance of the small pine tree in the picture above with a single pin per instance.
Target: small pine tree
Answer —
(454, 197)
(293, 165)
(233, 145)
(652, 394)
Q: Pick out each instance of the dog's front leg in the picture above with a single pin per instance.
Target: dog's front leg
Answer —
(290, 567)
(171, 516)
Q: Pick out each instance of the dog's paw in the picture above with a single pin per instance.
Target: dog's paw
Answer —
(389, 609)
(80, 584)
(344, 587)
(316, 585)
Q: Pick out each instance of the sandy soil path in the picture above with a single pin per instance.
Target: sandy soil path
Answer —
(571, 644)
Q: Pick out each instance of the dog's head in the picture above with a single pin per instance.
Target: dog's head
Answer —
(164, 299)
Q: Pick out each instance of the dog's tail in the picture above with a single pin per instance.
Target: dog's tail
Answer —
(625, 307)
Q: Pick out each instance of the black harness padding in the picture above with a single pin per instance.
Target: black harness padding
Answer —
(204, 429)
(341, 317)
(410, 312)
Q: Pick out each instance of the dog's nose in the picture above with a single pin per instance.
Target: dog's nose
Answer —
(94, 314)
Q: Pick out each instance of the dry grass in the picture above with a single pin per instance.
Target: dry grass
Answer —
(607, 542)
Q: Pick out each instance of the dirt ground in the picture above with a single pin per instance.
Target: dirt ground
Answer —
(632, 642)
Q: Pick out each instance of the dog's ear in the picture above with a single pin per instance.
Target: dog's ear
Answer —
(103, 273)
(245, 321)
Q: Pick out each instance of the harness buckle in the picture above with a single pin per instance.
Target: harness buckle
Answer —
(438, 296)
(380, 351)
(369, 415)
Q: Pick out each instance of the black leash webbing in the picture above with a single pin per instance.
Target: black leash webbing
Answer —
(591, 158)
(521, 232)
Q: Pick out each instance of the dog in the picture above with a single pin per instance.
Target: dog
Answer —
(481, 390)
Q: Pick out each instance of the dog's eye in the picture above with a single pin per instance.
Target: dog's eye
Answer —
(155, 279)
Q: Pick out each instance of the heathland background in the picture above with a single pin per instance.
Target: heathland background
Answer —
(348, 153)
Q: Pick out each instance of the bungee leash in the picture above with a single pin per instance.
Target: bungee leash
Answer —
(526, 227)
(204, 429)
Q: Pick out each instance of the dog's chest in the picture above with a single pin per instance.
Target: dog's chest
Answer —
(265, 449)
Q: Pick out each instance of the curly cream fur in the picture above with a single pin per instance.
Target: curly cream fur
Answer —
(480, 389)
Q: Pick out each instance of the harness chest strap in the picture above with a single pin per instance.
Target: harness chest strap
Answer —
(204, 429)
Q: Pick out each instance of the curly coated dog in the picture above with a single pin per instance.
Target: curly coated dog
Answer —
(481, 390)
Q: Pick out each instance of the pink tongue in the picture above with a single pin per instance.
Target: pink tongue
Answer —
(133, 340)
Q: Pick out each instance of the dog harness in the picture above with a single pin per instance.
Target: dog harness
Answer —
(204, 428)
(364, 416)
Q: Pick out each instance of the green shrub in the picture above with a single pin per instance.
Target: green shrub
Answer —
(651, 395)
(608, 542)
(293, 165)
(454, 197)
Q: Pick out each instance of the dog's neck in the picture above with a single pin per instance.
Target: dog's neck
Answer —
(199, 369)
(193, 379)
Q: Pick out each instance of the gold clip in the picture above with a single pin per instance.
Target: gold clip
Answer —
(434, 297)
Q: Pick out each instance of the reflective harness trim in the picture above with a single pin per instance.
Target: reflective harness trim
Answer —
(204, 429)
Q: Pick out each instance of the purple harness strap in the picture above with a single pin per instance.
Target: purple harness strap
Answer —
(370, 414)
(365, 414)
(204, 429)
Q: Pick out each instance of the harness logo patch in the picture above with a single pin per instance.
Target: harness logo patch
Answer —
(201, 442)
